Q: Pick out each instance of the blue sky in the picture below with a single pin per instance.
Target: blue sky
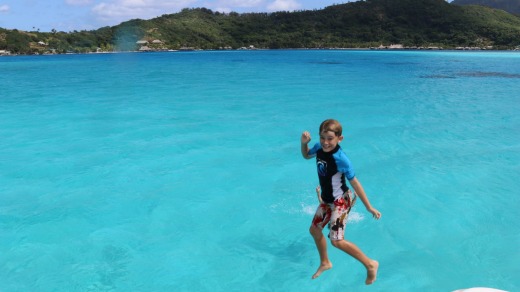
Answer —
(70, 15)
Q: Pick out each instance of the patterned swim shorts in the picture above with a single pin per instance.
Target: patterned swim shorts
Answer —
(336, 213)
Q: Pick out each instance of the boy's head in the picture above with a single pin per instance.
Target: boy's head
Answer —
(330, 134)
(332, 126)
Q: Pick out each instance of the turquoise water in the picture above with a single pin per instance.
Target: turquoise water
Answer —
(182, 171)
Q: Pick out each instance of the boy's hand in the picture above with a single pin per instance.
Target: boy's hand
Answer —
(375, 213)
(318, 193)
(306, 137)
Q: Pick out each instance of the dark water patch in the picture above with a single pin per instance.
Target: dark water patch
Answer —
(327, 62)
(438, 76)
(489, 74)
(114, 267)
(401, 63)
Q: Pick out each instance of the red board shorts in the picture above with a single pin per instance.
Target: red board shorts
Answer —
(336, 213)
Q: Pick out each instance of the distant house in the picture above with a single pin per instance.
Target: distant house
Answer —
(41, 43)
(251, 47)
(142, 42)
(5, 53)
(396, 46)
(144, 49)
(156, 42)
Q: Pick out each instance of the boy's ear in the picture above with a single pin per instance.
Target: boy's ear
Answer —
(340, 138)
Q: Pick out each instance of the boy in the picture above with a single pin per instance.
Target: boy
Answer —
(333, 167)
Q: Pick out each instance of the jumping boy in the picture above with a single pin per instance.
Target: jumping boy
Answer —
(337, 199)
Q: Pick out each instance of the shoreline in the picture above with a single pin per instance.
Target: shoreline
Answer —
(472, 49)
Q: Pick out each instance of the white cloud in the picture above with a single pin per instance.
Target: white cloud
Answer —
(78, 2)
(115, 11)
(283, 5)
(4, 8)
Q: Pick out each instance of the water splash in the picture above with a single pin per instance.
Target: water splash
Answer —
(353, 217)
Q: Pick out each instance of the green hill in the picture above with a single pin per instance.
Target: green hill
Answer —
(355, 24)
(511, 6)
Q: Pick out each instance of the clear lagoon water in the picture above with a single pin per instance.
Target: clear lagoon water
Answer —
(182, 171)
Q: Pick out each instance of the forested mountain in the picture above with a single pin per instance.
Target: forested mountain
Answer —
(351, 25)
(511, 6)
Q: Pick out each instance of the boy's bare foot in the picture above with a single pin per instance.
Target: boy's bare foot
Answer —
(372, 272)
(322, 268)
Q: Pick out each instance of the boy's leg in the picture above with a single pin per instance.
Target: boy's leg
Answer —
(338, 218)
(321, 218)
(354, 251)
(321, 245)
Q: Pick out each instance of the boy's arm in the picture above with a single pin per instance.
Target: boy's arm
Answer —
(305, 139)
(358, 188)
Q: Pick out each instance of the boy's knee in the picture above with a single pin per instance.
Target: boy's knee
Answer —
(314, 231)
(335, 243)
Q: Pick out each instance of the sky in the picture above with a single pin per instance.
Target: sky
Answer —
(71, 15)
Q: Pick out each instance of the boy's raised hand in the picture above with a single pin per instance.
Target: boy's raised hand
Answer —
(306, 137)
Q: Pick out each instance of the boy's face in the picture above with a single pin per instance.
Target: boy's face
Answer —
(329, 140)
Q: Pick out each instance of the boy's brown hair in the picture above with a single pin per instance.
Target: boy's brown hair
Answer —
(331, 125)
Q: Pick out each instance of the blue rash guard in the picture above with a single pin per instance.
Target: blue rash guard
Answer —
(333, 168)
